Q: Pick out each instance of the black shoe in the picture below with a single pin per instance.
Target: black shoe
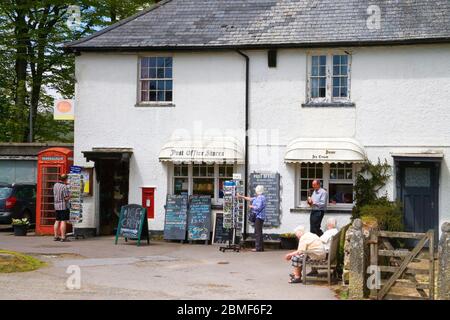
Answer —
(296, 280)
(56, 239)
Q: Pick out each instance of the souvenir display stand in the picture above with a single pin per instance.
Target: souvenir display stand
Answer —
(233, 209)
(76, 200)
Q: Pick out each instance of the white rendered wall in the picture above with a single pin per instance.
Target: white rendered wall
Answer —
(401, 95)
(208, 96)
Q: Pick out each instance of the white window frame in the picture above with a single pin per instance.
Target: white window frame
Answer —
(139, 80)
(329, 77)
(215, 200)
(326, 185)
(182, 177)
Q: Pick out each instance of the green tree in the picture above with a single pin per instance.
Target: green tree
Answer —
(33, 63)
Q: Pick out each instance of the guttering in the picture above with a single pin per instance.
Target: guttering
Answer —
(78, 47)
(247, 87)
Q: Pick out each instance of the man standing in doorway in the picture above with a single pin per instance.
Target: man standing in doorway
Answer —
(318, 202)
(61, 198)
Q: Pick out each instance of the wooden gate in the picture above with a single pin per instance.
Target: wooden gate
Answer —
(402, 268)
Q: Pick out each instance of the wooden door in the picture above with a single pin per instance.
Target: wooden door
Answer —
(420, 196)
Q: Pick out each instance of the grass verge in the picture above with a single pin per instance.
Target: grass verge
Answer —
(17, 262)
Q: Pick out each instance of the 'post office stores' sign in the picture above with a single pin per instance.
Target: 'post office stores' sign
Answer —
(196, 153)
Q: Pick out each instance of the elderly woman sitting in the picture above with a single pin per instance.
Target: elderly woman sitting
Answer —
(330, 233)
(307, 242)
(326, 240)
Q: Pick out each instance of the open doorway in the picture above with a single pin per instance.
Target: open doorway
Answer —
(113, 177)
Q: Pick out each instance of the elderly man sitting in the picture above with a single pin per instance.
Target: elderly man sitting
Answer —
(307, 242)
(326, 237)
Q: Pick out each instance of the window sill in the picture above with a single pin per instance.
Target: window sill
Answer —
(328, 105)
(330, 210)
(154, 105)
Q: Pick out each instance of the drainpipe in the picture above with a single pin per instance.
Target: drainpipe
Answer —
(247, 86)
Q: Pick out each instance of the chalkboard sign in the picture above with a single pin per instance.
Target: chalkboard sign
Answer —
(271, 183)
(199, 218)
(133, 223)
(176, 217)
(220, 234)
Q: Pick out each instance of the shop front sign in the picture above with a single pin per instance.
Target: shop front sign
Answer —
(197, 153)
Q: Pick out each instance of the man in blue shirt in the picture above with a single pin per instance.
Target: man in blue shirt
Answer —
(318, 203)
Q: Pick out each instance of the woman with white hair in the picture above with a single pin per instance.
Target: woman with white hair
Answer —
(326, 239)
(329, 233)
(307, 242)
(258, 210)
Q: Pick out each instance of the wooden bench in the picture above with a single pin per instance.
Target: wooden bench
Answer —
(329, 264)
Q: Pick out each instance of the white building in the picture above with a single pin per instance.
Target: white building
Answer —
(327, 87)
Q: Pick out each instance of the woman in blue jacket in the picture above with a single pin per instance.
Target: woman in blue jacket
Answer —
(258, 207)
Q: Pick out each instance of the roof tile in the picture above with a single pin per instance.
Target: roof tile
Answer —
(240, 23)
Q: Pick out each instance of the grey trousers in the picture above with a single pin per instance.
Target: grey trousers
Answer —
(259, 239)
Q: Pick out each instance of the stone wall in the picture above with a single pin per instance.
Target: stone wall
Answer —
(356, 258)
(444, 263)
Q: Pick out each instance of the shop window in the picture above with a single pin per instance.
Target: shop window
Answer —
(329, 78)
(203, 186)
(203, 179)
(336, 179)
(181, 179)
(308, 173)
(225, 173)
(341, 183)
(341, 171)
(156, 80)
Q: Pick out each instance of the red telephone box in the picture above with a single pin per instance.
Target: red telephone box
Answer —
(148, 201)
(51, 163)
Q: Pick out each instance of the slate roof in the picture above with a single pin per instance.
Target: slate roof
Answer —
(192, 24)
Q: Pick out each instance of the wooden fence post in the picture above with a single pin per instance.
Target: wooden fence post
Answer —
(374, 260)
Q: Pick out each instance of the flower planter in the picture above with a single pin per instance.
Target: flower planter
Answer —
(289, 243)
(20, 230)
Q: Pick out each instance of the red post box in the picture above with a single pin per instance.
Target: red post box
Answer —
(148, 201)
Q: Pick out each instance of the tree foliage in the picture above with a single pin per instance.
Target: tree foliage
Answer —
(370, 204)
(34, 66)
(369, 181)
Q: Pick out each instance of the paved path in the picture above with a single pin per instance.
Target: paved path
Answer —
(162, 270)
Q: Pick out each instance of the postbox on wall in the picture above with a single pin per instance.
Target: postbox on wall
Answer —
(148, 201)
(51, 163)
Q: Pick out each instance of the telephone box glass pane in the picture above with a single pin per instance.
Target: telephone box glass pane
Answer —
(49, 178)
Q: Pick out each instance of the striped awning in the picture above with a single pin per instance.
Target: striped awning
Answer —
(209, 150)
(324, 150)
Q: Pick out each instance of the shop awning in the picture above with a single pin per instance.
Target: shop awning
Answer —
(209, 150)
(324, 150)
(123, 154)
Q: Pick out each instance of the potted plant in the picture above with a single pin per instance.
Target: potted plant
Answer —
(20, 226)
(288, 241)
